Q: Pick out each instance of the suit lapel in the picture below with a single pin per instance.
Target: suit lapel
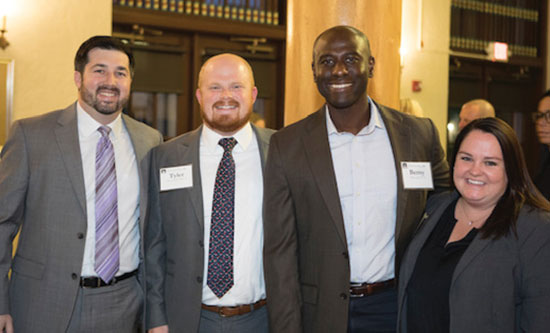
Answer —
(318, 153)
(140, 147)
(401, 141)
(188, 152)
(66, 134)
(263, 143)
(424, 230)
(473, 250)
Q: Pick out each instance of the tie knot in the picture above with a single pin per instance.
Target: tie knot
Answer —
(228, 143)
(104, 131)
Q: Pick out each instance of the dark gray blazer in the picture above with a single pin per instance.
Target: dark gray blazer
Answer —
(498, 285)
(175, 236)
(42, 191)
(305, 249)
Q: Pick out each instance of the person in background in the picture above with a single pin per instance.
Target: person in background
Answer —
(411, 106)
(257, 120)
(204, 233)
(479, 258)
(541, 118)
(338, 209)
(475, 109)
(71, 181)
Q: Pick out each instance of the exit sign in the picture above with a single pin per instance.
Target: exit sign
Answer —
(498, 51)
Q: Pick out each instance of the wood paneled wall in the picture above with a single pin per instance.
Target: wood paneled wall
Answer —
(380, 20)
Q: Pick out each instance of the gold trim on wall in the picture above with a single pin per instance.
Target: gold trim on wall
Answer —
(6, 97)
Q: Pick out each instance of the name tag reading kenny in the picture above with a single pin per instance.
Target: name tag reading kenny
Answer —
(176, 177)
(417, 175)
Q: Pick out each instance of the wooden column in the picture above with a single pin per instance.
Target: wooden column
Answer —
(380, 20)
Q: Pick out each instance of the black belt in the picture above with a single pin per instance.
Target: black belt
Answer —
(95, 282)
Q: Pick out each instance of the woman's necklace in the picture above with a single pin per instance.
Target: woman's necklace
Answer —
(470, 221)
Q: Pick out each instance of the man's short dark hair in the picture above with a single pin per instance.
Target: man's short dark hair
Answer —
(354, 30)
(104, 43)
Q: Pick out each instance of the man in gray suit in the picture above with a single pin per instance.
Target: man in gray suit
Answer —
(71, 181)
(344, 191)
(204, 233)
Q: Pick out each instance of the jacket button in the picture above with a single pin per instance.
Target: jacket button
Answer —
(199, 279)
(201, 243)
(343, 296)
(80, 235)
(74, 276)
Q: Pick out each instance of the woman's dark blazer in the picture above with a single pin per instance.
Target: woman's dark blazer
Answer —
(498, 285)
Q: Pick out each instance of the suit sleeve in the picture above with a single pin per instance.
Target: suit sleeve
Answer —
(534, 255)
(280, 248)
(14, 178)
(155, 253)
(440, 167)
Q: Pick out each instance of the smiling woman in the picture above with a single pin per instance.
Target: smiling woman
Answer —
(486, 244)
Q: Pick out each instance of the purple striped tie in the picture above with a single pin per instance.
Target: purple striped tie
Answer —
(106, 208)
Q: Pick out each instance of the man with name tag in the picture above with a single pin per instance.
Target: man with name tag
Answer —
(71, 181)
(204, 234)
(345, 189)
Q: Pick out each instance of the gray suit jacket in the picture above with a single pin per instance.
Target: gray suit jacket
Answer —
(498, 285)
(305, 248)
(175, 237)
(42, 191)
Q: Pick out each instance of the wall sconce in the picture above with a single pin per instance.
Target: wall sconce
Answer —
(3, 41)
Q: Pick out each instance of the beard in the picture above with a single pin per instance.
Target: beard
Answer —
(91, 99)
(226, 123)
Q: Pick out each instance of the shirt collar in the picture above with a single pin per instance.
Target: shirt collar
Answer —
(375, 121)
(88, 125)
(210, 138)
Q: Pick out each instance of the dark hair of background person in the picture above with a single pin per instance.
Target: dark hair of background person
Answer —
(520, 189)
(546, 94)
(104, 43)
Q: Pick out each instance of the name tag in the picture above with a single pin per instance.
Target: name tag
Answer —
(417, 175)
(176, 177)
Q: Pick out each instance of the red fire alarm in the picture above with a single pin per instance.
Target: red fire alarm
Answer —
(416, 85)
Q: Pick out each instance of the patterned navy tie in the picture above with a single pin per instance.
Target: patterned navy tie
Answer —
(106, 209)
(222, 226)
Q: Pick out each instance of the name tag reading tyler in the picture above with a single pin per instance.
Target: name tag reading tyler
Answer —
(417, 175)
(176, 177)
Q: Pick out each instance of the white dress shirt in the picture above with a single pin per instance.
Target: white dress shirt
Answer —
(127, 179)
(248, 272)
(367, 186)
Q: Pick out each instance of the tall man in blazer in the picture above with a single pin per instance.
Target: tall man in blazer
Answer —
(199, 186)
(67, 177)
(340, 208)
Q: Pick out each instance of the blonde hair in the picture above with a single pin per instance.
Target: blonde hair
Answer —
(411, 106)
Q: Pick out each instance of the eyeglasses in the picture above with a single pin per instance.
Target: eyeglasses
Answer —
(535, 116)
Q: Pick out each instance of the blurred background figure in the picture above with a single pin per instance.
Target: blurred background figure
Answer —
(257, 120)
(411, 106)
(485, 243)
(541, 118)
(475, 109)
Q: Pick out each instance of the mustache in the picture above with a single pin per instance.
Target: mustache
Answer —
(108, 87)
(230, 102)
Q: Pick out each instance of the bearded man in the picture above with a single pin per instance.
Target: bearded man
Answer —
(71, 181)
(204, 233)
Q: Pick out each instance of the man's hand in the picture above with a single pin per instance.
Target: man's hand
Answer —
(6, 324)
(160, 329)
